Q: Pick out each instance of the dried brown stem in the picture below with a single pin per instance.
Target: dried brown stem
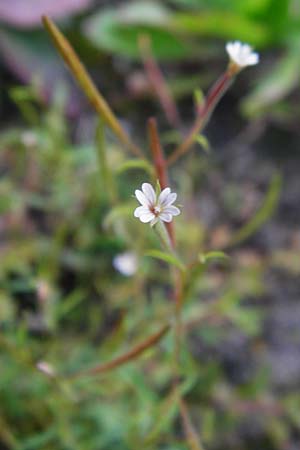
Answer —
(88, 86)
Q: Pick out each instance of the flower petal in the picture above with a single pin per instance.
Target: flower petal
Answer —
(172, 210)
(147, 217)
(141, 197)
(253, 59)
(165, 217)
(242, 54)
(140, 210)
(171, 199)
(149, 193)
(154, 221)
(163, 195)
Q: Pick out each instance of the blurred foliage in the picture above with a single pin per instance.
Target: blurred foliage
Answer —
(62, 302)
(63, 219)
(180, 31)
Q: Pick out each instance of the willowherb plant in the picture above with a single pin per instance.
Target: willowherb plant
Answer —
(157, 204)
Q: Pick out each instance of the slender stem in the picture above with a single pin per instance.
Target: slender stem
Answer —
(158, 82)
(164, 236)
(193, 439)
(125, 358)
(178, 294)
(213, 97)
(88, 86)
(105, 172)
(160, 166)
(178, 300)
(157, 153)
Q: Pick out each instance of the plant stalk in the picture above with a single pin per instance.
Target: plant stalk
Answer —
(213, 97)
(84, 80)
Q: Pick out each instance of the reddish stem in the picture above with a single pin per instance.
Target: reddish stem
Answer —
(158, 82)
(160, 166)
(213, 96)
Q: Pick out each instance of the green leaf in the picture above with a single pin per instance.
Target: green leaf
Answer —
(124, 210)
(166, 257)
(118, 31)
(264, 213)
(212, 256)
(197, 269)
(133, 164)
(203, 141)
(222, 24)
(273, 86)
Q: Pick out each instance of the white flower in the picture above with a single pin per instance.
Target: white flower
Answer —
(126, 263)
(46, 368)
(155, 208)
(241, 54)
(29, 139)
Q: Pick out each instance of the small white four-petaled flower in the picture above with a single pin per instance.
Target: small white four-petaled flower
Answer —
(155, 208)
(242, 55)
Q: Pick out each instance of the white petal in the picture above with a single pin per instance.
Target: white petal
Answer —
(253, 59)
(154, 221)
(145, 218)
(140, 210)
(242, 54)
(163, 195)
(149, 193)
(165, 217)
(229, 48)
(170, 199)
(141, 197)
(172, 210)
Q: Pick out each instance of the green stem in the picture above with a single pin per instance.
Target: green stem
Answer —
(104, 169)
(164, 237)
(161, 230)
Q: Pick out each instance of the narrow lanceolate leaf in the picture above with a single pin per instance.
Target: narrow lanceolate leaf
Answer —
(132, 164)
(212, 256)
(167, 257)
(264, 213)
(128, 356)
(87, 85)
(166, 414)
(203, 141)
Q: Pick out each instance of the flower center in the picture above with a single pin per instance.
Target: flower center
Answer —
(155, 209)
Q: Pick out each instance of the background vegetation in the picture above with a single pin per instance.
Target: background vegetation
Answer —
(66, 211)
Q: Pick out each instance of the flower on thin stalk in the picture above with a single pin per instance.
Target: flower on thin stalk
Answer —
(241, 55)
(155, 207)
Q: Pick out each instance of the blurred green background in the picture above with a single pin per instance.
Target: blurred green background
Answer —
(63, 223)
